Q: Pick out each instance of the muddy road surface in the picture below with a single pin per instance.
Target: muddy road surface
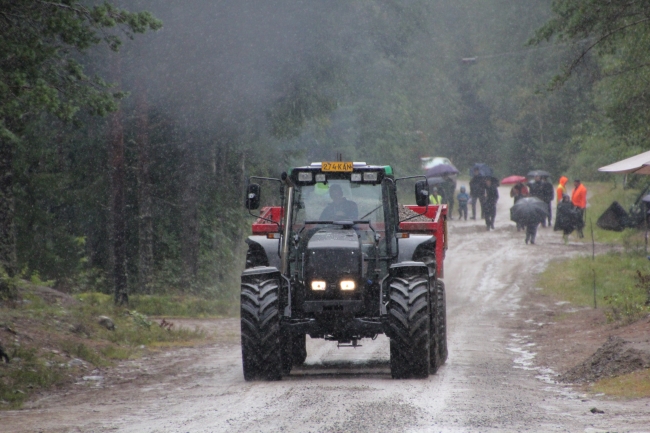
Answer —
(490, 382)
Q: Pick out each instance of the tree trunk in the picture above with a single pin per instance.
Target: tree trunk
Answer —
(117, 205)
(145, 223)
(190, 215)
(7, 211)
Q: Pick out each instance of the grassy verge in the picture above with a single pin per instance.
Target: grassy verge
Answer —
(632, 385)
(53, 342)
(615, 275)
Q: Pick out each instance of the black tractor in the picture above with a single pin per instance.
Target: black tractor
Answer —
(334, 261)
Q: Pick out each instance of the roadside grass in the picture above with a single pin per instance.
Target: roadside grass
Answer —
(183, 306)
(632, 385)
(53, 343)
(616, 279)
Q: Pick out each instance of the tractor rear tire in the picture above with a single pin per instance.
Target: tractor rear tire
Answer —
(409, 322)
(442, 321)
(260, 329)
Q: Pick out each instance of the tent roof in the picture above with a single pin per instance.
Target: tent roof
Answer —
(639, 164)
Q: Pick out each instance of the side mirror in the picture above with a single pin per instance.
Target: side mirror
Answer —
(421, 193)
(253, 195)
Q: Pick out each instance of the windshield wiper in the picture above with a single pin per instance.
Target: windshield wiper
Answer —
(375, 209)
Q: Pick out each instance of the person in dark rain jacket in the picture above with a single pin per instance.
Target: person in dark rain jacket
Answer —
(536, 189)
(547, 195)
(448, 190)
(476, 192)
(489, 202)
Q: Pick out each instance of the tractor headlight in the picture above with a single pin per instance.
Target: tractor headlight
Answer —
(347, 285)
(318, 285)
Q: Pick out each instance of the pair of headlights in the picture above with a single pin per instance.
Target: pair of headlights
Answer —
(346, 285)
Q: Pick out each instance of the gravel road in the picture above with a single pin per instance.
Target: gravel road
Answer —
(490, 382)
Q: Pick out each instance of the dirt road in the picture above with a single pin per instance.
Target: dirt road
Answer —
(489, 384)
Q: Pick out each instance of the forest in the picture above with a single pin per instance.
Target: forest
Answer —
(128, 129)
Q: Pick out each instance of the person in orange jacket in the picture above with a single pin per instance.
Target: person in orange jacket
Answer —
(561, 189)
(579, 200)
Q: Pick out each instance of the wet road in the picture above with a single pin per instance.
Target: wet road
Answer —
(489, 383)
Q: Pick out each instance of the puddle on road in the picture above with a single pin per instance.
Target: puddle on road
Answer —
(520, 345)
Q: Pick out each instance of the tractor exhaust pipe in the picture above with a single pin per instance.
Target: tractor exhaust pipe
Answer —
(284, 252)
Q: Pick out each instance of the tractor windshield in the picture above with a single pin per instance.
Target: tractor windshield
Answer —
(339, 200)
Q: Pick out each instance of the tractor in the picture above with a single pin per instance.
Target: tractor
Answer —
(333, 260)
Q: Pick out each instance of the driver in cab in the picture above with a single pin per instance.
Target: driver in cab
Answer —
(340, 209)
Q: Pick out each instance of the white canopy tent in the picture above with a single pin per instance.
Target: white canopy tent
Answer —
(639, 164)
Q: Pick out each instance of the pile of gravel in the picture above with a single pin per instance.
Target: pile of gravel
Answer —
(614, 358)
(405, 212)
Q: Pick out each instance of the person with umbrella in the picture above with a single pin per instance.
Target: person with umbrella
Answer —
(529, 212)
(518, 192)
(448, 190)
(476, 191)
(547, 195)
(489, 202)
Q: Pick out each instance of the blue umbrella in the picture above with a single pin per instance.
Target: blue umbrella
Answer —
(483, 170)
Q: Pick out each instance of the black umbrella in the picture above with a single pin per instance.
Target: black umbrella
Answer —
(540, 173)
(441, 170)
(483, 170)
(529, 210)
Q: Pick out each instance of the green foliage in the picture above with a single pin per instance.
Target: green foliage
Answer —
(610, 39)
(39, 72)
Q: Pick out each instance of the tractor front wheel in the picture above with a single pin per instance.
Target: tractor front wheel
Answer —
(409, 323)
(260, 328)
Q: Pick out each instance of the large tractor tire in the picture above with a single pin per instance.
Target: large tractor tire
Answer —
(409, 322)
(260, 329)
(442, 321)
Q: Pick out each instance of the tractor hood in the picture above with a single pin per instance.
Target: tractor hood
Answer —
(334, 238)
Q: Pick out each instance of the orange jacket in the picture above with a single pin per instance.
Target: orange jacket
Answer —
(579, 197)
(561, 188)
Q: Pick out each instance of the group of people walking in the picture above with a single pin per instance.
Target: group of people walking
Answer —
(570, 210)
(484, 190)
